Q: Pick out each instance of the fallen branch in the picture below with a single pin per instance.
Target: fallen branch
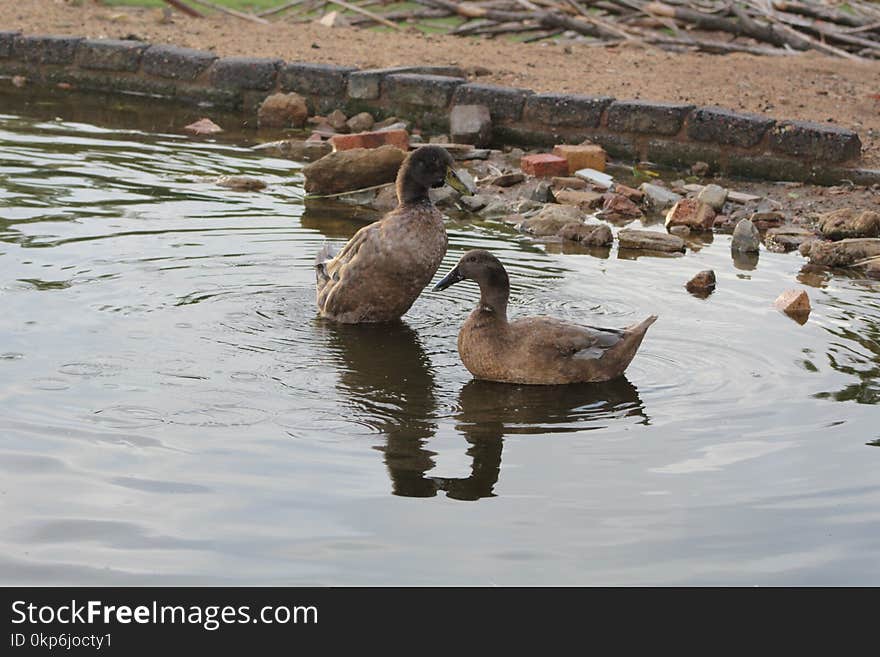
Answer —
(231, 12)
(367, 13)
(186, 9)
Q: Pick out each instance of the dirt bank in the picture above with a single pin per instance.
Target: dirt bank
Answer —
(810, 86)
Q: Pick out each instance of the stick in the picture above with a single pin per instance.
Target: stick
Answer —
(232, 12)
(278, 10)
(367, 13)
(186, 9)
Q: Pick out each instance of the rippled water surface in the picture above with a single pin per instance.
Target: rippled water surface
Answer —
(175, 412)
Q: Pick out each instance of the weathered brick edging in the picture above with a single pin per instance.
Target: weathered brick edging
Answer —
(667, 133)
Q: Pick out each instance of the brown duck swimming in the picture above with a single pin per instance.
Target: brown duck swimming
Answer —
(378, 274)
(533, 350)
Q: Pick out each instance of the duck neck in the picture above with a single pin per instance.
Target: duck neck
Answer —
(494, 293)
(409, 190)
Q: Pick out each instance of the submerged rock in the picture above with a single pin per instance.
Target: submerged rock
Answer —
(649, 240)
(283, 111)
(242, 183)
(746, 238)
(587, 234)
(787, 238)
(795, 304)
(619, 208)
(850, 222)
(353, 169)
(702, 284)
(691, 212)
(845, 252)
(551, 220)
(297, 149)
(203, 127)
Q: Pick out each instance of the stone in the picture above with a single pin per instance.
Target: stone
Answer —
(766, 219)
(551, 220)
(702, 284)
(787, 238)
(176, 63)
(714, 195)
(507, 179)
(746, 238)
(844, 253)
(470, 124)
(307, 150)
(397, 138)
(587, 234)
(815, 141)
(568, 182)
(544, 165)
(475, 202)
(334, 19)
(700, 169)
(596, 178)
(434, 91)
(353, 169)
(337, 120)
(361, 122)
(657, 197)
(581, 156)
(283, 111)
(617, 207)
(741, 197)
(795, 303)
(722, 126)
(367, 84)
(565, 109)
(693, 213)
(634, 195)
(241, 183)
(504, 103)
(110, 54)
(385, 127)
(253, 73)
(849, 222)
(7, 38)
(203, 127)
(584, 199)
(443, 196)
(324, 81)
(649, 240)
(647, 117)
(681, 231)
(49, 49)
(542, 193)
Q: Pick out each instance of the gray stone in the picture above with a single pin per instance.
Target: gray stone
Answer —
(649, 240)
(542, 193)
(470, 124)
(714, 195)
(110, 54)
(659, 198)
(722, 126)
(816, 141)
(746, 238)
(845, 252)
(46, 49)
(7, 38)
(315, 79)
(566, 109)
(787, 238)
(551, 219)
(647, 117)
(443, 196)
(176, 63)
(504, 103)
(256, 73)
(476, 202)
(421, 90)
(361, 122)
(283, 111)
(587, 234)
(367, 84)
(353, 169)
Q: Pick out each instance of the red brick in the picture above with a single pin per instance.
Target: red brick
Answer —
(399, 138)
(544, 165)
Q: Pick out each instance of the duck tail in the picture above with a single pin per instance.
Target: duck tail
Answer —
(624, 351)
(327, 252)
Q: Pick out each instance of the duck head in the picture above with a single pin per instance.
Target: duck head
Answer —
(487, 271)
(424, 168)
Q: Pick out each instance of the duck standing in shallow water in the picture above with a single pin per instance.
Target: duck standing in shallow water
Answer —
(378, 274)
(533, 350)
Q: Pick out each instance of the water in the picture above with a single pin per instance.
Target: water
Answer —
(175, 412)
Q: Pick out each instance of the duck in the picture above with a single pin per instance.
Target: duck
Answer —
(533, 350)
(384, 267)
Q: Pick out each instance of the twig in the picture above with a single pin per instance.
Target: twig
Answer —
(231, 12)
(367, 13)
(186, 9)
(278, 10)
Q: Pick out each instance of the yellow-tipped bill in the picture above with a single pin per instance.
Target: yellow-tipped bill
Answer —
(455, 182)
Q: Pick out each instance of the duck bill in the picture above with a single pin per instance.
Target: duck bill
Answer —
(450, 279)
(456, 183)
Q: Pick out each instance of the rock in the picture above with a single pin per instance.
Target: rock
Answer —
(353, 169)
(334, 19)
(634, 195)
(476, 154)
(496, 208)
(470, 124)
(544, 165)
(741, 198)
(467, 180)
(681, 231)
(542, 193)
(585, 200)
(714, 195)
(337, 120)
(19, 81)
(845, 252)
(657, 197)
(390, 121)
(443, 196)
(786, 238)
(850, 222)
(297, 149)
(582, 156)
(649, 240)
(439, 139)
(692, 213)
(396, 125)
(475, 203)
(872, 268)
(360, 122)
(242, 183)
(700, 169)
(386, 199)
(702, 284)
(375, 139)
(203, 127)
(507, 179)
(746, 238)
(597, 178)
(528, 206)
(617, 207)
(565, 182)
(587, 234)
(795, 303)
(551, 220)
(283, 111)
(724, 222)
(766, 219)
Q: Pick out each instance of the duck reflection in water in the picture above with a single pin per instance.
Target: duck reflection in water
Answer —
(387, 377)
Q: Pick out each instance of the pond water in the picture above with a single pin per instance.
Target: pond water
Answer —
(175, 412)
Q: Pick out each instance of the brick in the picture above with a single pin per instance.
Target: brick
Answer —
(257, 73)
(110, 54)
(46, 49)
(566, 109)
(6, 40)
(315, 79)
(423, 90)
(504, 103)
(582, 156)
(398, 138)
(722, 126)
(816, 141)
(176, 63)
(367, 85)
(544, 165)
(647, 117)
